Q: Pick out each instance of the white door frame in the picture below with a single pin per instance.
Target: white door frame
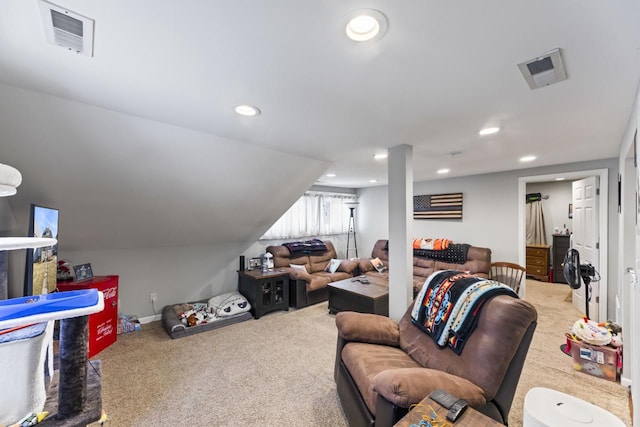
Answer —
(603, 221)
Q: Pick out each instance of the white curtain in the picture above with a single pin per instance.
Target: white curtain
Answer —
(314, 214)
(536, 233)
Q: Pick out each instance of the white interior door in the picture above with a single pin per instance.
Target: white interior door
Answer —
(585, 238)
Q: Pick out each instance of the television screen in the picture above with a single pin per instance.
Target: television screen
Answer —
(42, 263)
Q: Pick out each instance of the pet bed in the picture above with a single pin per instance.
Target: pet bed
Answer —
(205, 315)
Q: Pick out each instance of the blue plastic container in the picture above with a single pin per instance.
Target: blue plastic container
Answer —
(16, 308)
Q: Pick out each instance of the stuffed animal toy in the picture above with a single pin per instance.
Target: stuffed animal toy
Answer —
(616, 333)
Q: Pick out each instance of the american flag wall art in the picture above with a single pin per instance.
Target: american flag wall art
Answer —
(437, 206)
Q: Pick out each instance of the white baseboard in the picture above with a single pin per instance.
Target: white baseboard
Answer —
(150, 319)
(625, 382)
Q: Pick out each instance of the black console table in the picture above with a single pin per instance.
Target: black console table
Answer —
(266, 291)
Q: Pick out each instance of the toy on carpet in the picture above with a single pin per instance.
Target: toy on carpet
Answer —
(616, 332)
(225, 305)
(31, 419)
(103, 418)
(591, 332)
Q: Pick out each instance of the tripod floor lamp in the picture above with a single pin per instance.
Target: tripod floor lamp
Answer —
(352, 244)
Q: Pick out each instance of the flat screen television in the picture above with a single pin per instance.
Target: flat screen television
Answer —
(42, 263)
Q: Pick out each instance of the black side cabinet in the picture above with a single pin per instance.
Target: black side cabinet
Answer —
(560, 247)
(268, 291)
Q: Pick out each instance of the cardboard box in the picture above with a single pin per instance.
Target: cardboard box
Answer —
(596, 360)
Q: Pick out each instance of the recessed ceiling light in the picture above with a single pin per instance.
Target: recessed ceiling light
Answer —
(366, 24)
(247, 110)
(489, 131)
(528, 158)
(442, 171)
(560, 179)
(373, 180)
(330, 175)
(380, 156)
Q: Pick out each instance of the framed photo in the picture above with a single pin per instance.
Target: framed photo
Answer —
(255, 263)
(42, 263)
(83, 272)
(570, 210)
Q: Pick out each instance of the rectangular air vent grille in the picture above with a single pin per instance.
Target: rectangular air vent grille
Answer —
(67, 29)
(544, 70)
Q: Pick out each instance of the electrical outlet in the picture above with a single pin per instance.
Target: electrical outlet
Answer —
(153, 297)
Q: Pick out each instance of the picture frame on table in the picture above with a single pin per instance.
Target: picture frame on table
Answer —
(254, 263)
(83, 272)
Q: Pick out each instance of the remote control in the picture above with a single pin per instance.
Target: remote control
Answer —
(443, 398)
(456, 410)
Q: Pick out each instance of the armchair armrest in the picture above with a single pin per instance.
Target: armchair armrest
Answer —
(370, 328)
(407, 386)
(299, 275)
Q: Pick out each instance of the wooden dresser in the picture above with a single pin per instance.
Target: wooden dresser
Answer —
(538, 262)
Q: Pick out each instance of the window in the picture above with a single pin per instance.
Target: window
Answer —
(314, 214)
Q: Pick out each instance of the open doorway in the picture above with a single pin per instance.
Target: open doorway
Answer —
(602, 221)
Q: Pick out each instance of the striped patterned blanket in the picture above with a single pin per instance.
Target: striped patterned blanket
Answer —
(449, 303)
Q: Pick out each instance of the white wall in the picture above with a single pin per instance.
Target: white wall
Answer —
(179, 274)
(490, 212)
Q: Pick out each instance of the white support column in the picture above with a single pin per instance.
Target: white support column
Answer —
(400, 171)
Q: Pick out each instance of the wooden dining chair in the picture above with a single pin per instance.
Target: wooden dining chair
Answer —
(508, 273)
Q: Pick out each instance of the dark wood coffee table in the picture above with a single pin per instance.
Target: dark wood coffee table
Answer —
(350, 295)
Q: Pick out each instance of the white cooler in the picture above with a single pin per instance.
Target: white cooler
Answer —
(546, 407)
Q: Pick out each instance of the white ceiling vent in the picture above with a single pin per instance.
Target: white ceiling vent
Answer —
(544, 70)
(67, 29)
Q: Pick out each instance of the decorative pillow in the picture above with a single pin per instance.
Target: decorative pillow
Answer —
(333, 265)
(378, 265)
(229, 304)
(300, 267)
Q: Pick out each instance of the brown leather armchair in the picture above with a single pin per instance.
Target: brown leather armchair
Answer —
(382, 367)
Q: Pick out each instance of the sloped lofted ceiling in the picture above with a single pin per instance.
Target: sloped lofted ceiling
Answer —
(139, 145)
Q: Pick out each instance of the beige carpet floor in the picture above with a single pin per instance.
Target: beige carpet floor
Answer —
(278, 371)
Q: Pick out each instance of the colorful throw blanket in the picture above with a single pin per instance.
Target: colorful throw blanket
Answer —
(308, 247)
(448, 306)
(455, 253)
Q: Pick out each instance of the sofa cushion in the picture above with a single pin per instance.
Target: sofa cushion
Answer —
(348, 266)
(318, 262)
(365, 361)
(365, 266)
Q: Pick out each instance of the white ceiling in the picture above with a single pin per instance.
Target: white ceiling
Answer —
(442, 71)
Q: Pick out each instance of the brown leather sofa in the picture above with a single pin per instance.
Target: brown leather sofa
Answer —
(382, 367)
(478, 263)
(310, 287)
